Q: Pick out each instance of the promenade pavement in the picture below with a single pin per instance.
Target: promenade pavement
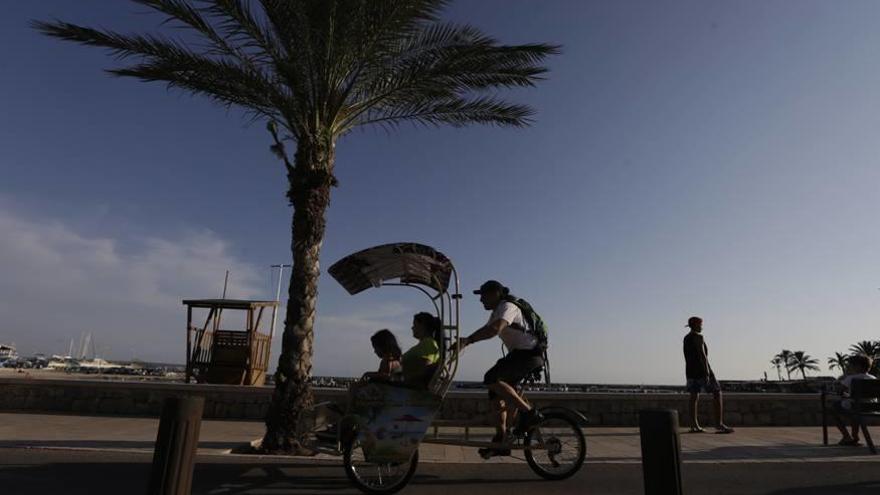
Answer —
(604, 445)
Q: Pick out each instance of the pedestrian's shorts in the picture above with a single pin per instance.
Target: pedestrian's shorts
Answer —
(708, 385)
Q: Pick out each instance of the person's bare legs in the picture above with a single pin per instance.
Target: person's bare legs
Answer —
(718, 409)
(718, 406)
(509, 395)
(514, 405)
(499, 416)
(844, 433)
(692, 409)
(845, 437)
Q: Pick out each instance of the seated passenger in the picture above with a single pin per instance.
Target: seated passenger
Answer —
(420, 361)
(386, 348)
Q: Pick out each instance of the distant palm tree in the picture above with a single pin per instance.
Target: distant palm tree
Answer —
(867, 348)
(315, 70)
(870, 349)
(778, 362)
(803, 362)
(838, 361)
(785, 357)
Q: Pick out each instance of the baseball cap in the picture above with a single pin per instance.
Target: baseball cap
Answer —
(491, 285)
(694, 320)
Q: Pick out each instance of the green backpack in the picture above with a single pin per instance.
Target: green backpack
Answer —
(533, 319)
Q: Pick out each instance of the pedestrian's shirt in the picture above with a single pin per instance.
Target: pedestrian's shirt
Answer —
(695, 356)
(846, 381)
(515, 334)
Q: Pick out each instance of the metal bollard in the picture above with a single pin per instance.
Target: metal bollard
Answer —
(176, 444)
(661, 452)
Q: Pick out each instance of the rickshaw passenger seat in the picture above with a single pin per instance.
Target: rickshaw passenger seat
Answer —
(425, 379)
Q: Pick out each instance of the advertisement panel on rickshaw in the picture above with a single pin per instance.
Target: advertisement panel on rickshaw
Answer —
(392, 420)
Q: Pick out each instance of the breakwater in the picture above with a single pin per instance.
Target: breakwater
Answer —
(251, 403)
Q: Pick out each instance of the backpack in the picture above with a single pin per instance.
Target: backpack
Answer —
(536, 325)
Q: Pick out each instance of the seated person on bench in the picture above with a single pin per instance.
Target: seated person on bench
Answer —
(420, 361)
(857, 369)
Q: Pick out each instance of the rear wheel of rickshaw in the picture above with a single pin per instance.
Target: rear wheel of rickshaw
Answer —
(559, 446)
(377, 478)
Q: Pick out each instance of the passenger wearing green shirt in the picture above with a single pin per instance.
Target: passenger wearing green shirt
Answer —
(420, 361)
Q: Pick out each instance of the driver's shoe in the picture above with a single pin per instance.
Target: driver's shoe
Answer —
(526, 421)
(486, 453)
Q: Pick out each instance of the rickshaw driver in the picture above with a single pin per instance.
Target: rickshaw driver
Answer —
(524, 356)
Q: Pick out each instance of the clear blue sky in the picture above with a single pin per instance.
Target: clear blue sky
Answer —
(708, 158)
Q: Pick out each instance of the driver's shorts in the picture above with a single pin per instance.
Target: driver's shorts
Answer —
(514, 367)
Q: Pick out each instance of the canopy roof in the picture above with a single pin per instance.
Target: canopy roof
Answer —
(409, 262)
(228, 303)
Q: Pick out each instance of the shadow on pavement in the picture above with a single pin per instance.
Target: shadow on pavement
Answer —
(104, 444)
(780, 451)
(131, 478)
(594, 433)
(862, 488)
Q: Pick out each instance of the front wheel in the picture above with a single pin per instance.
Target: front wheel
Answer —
(377, 478)
(555, 448)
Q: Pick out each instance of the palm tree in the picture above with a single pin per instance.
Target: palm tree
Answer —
(870, 349)
(838, 361)
(803, 362)
(777, 362)
(867, 348)
(785, 360)
(314, 70)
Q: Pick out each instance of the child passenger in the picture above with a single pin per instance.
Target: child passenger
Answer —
(386, 348)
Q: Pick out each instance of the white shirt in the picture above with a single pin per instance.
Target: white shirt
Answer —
(513, 338)
(847, 382)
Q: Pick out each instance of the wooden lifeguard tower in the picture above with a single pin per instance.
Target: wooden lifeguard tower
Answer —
(231, 357)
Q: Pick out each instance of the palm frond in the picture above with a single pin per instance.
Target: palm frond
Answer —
(171, 62)
(323, 67)
(839, 360)
(867, 348)
(453, 111)
(451, 73)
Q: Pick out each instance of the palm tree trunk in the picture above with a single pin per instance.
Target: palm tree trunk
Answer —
(310, 180)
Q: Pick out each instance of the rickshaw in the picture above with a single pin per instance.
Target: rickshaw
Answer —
(379, 433)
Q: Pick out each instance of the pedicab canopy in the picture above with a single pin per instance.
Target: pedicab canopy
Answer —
(409, 262)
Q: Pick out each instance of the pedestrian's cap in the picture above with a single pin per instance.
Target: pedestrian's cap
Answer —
(490, 286)
(694, 321)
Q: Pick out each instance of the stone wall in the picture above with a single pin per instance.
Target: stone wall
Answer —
(233, 402)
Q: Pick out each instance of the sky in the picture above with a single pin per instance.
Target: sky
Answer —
(687, 158)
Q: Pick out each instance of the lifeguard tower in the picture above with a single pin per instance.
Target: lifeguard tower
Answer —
(223, 356)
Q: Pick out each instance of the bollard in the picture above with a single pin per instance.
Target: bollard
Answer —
(661, 452)
(176, 443)
(823, 396)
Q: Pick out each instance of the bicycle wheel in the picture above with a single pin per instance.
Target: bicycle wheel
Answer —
(377, 478)
(560, 447)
